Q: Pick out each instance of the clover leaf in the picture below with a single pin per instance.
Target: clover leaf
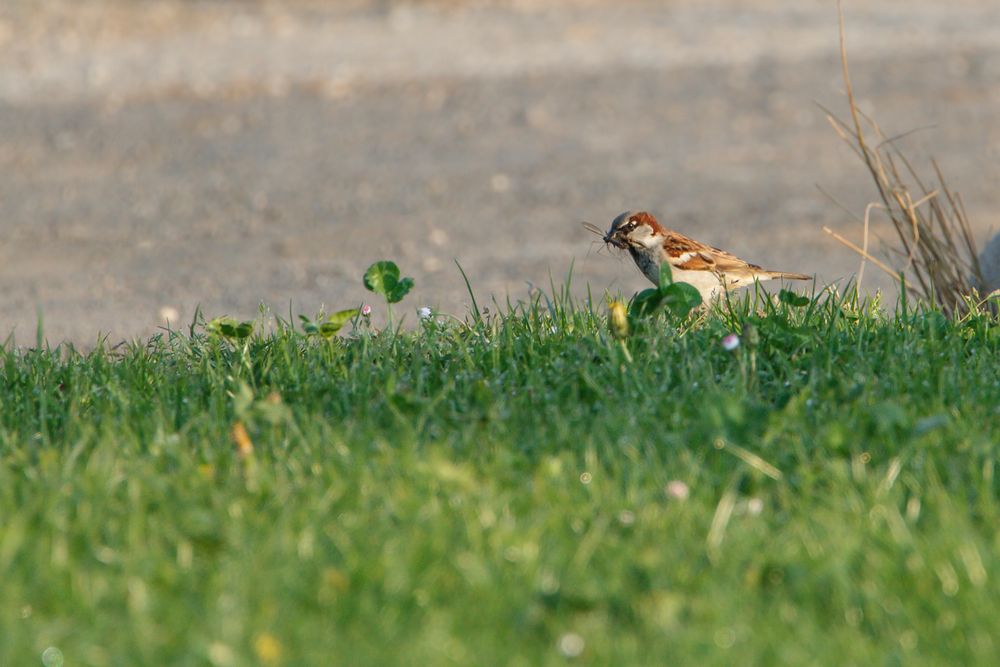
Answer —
(230, 328)
(383, 278)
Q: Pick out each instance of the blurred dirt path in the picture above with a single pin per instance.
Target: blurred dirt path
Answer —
(160, 155)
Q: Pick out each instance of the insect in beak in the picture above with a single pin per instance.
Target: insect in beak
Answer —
(606, 237)
(594, 229)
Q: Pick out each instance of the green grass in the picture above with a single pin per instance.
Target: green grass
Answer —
(492, 494)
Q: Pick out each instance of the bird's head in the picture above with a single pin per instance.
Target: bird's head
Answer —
(633, 230)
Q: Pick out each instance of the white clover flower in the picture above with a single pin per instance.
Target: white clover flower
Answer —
(677, 490)
(571, 645)
(730, 342)
(424, 313)
(366, 310)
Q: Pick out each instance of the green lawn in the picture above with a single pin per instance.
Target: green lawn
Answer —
(512, 491)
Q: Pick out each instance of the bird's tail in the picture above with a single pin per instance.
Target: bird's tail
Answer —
(788, 276)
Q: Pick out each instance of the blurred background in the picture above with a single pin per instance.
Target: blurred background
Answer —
(158, 155)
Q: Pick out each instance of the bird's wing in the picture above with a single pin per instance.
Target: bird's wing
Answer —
(690, 255)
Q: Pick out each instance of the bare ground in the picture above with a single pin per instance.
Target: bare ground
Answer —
(165, 154)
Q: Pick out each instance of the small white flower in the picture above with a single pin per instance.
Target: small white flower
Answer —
(366, 310)
(424, 313)
(52, 657)
(571, 645)
(755, 506)
(677, 490)
(731, 342)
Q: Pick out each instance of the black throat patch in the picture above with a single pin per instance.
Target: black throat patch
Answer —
(649, 267)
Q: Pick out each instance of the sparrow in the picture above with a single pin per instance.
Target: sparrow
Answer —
(710, 270)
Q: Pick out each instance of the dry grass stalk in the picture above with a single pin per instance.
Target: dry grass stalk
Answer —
(939, 256)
